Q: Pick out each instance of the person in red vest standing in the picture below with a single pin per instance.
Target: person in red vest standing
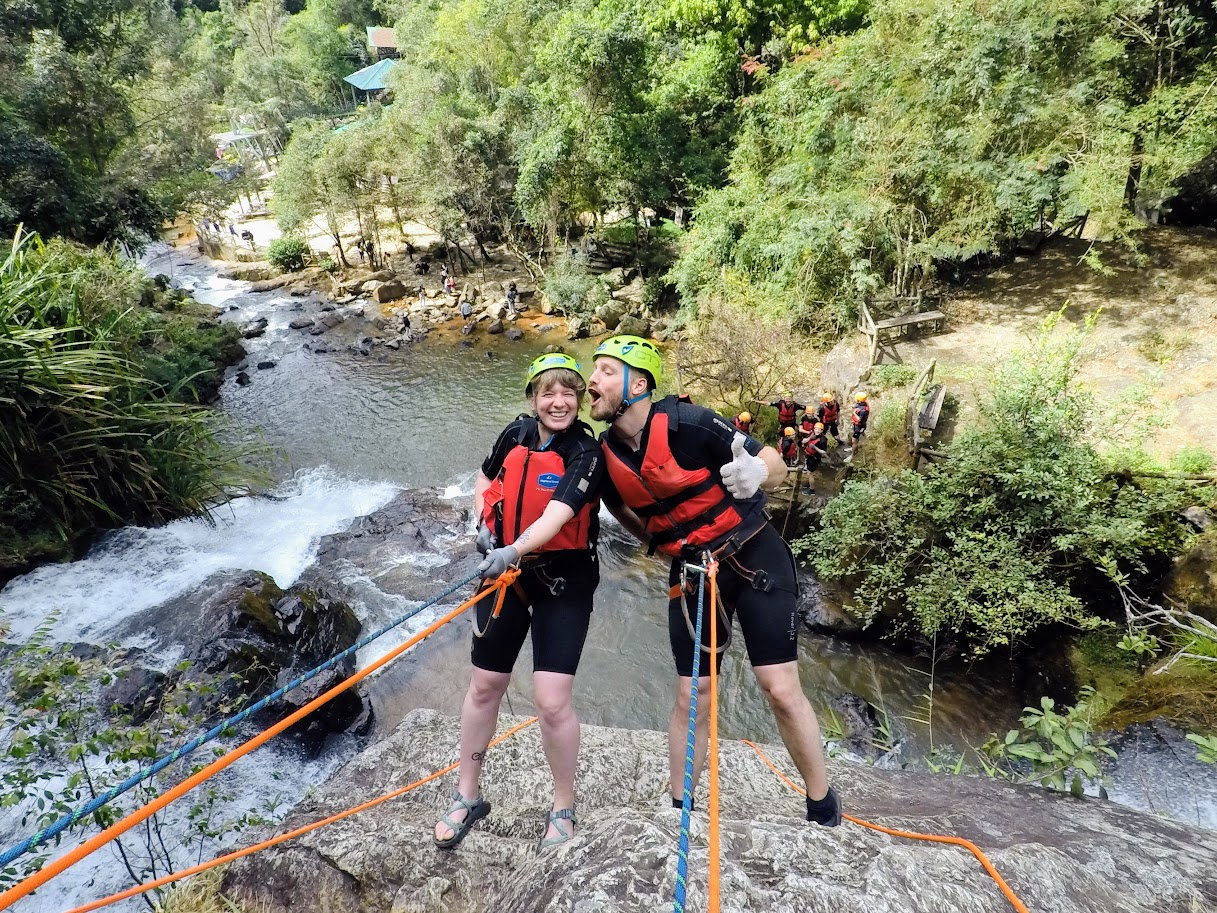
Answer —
(537, 496)
(861, 415)
(688, 484)
(828, 413)
(788, 411)
(788, 447)
(743, 422)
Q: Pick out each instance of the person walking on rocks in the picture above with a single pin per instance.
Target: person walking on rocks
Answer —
(859, 418)
(537, 496)
(688, 484)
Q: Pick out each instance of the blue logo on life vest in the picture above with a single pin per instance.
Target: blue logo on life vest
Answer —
(549, 480)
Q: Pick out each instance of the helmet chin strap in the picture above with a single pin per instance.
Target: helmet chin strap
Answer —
(626, 399)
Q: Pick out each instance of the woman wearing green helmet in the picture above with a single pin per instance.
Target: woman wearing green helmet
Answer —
(537, 497)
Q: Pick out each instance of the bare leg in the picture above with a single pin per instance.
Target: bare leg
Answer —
(678, 732)
(479, 714)
(796, 722)
(559, 734)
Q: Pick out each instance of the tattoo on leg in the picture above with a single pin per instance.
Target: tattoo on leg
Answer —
(477, 755)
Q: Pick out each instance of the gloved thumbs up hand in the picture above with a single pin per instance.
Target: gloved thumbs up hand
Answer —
(745, 473)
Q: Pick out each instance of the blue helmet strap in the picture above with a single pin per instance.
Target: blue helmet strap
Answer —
(626, 399)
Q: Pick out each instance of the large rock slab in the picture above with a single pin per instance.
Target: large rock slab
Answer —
(1058, 853)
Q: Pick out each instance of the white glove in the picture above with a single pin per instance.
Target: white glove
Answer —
(745, 473)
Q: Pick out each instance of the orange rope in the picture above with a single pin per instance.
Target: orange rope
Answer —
(712, 876)
(69, 859)
(932, 838)
(282, 838)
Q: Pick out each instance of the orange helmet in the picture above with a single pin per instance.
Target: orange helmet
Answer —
(745, 417)
(789, 432)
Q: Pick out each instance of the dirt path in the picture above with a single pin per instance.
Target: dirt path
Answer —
(1157, 330)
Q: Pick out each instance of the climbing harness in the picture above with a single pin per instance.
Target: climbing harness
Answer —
(214, 732)
(290, 835)
(140, 815)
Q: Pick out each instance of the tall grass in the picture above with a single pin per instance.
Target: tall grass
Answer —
(86, 440)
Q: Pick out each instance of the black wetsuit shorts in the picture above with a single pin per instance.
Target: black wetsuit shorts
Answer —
(768, 618)
(559, 591)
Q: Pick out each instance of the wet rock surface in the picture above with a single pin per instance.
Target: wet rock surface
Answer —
(240, 638)
(1057, 853)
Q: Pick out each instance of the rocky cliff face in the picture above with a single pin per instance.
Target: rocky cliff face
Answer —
(1058, 853)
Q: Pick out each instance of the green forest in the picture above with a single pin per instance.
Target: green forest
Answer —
(791, 161)
(819, 152)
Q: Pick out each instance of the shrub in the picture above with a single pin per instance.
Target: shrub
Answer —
(887, 377)
(288, 253)
(572, 288)
(1014, 531)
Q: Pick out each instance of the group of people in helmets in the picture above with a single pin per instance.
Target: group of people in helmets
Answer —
(691, 486)
(808, 434)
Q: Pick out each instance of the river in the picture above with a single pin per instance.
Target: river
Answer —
(351, 431)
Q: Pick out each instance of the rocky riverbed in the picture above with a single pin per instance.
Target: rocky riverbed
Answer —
(1057, 853)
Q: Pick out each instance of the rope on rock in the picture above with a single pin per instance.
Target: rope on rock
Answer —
(911, 835)
(120, 827)
(283, 838)
(53, 830)
(682, 852)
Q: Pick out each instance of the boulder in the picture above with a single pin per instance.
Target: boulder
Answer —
(577, 328)
(611, 312)
(1192, 581)
(269, 285)
(245, 636)
(301, 323)
(514, 334)
(383, 275)
(497, 311)
(243, 379)
(496, 327)
(331, 320)
(632, 293)
(254, 328)
(390, 291)
(265, 365)
(393, 344)
(634, 326)
(250, 272)
(547, 306)
(1058, 853)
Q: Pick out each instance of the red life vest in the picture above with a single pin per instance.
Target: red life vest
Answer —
(522, 490)
(745, 427)
(677, 506)
(786, 412)
(808, 425)
(861, 413)
(816, 440)
(829, 412)
(789, 448)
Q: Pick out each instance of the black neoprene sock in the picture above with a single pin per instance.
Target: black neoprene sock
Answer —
(826, 811)
(679, 803)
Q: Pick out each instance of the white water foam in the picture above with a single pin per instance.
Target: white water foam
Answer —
(137, 569)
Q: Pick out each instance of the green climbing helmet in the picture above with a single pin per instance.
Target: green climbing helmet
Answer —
(634, 351)
(548, 362)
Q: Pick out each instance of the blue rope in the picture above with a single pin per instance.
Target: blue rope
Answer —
(682, 854)
(135, 779)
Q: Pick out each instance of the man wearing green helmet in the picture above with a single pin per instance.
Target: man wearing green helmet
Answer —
(688, 484)
(537, 497)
